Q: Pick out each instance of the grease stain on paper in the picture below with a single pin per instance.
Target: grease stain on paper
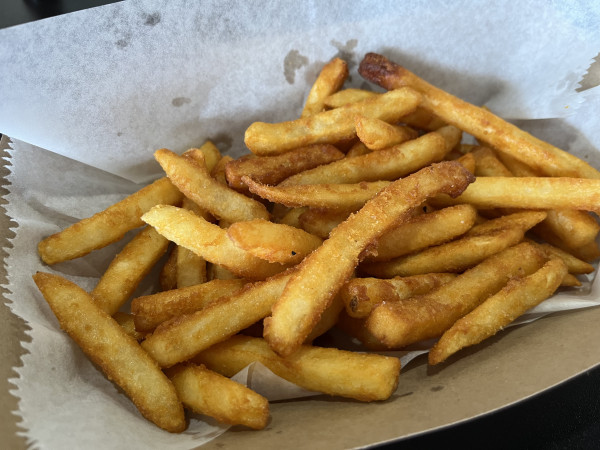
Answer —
(180, 101)
(292, 62)
(122, 43)
(346, 51)
(151, 19)
(437, 388)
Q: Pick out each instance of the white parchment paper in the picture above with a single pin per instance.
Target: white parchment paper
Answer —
(89, 96)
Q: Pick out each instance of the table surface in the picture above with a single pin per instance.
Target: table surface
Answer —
(567, 416)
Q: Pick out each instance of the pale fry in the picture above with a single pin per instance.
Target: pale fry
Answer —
(191, 268)
(389, 164)
(531, 193)
(107, 226)
(207, 153)
(571, 227)
(328, 127)
(218, 172)
(118, 355)
(346, 197)
(418, 318)
(361, 376)
(574, 264)
(519, 295)
(361, 295)
(208, 241)
(377, 134)
(128, 269)
(272, 241)
(149, 311)
(125, 320)
(292, 217)
(193, 179)
(206, 392)
(317, 280)
(424, 230)
(478, 122)
(183, 337)
(274, 169)
(345, 96)
(358, 149)
(330, 79)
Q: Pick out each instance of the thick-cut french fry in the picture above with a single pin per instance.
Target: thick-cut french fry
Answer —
(361, 295)
(209, 241)
(313, 286)
(273, 242)
(345, 96)
(356, 328)
(218, 172)
(531, 193)
(327, 321)
(347, 197)
(361, 376)
(570, 227)
(488, 165)
(320, 222)
(185, 336)
(191, 268)
(574, 264)
(388, 164)
(207, 392)
(128, 269)
(149, 311)
(424, 230)
(118, 355)
(167, 278)
(417, 318)
(332, 77)
(125, 320)
(570, 280)
(193, 179)
(423, 119)
(292, 217)
(377, 134)
(479, 122)
(218, 272)
(208, 153)
(107, 226)
(519, 295)
(358, 149)
(274, 169)
(328, 127)
(468, 161)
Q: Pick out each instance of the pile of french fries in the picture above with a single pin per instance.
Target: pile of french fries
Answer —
(367, 213)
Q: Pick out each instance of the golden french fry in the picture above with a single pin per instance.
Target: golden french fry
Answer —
(519, 295)
(345, 96)
(328, 127)
(361, 376)
(327, 321)
(273, 242)
(149, 311)
(570, 280)
(361, 295)
(218, 272)
(332, 77)
(377, 134)
(206, 392)
(218, 172)
(418, 318)
(358, 149)
(118, 355)
(468, 161)
(193, 179)
(389, 164)
(488, 165)
(313, 286)
(572, 228)
(167, 278)
(423, 119)
(183, 337)
(274, 169)
(208, 241)
(478, 244)
(356, 328)
(574, 264)
(190, 268)
(478, 122)
(531, 193)
(424, 230)
(125, 320)
(292, 217)
(128, 269)
(107, 226)
(347, 197)
(207, 153)
(320, 222)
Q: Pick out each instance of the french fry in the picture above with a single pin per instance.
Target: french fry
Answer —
(273, 242)
(356, 328)
(149, 311)
(424, 230)
(313, 286)
(292, 217)
(107, 226)
(327, 321)
(193, 179)
(190, 268)
(274, 169)
(208, 241)
(207, 153)
(574, 264)
(185, 336)
(167, 278)
(377, 134)
(128, 269)
(361, 295)
(519, 295)
(125, 320)
(347, 197)
(427, 316)
(488, 165)
(479, 122)
(118, 355)
(531, 193)
(328, 127)
(320, 222)
(206, 392)
(358, 149)
(361, 376)
(423, 120)
(468, 161)
(345, 96)
(330, 79)
(389, 164)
